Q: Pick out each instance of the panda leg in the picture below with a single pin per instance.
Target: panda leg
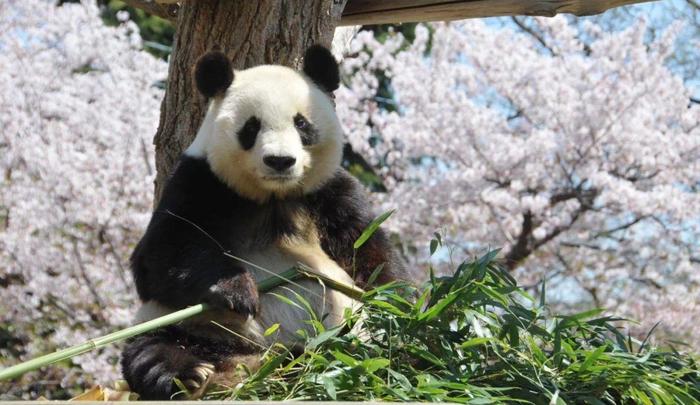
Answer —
(151, 362)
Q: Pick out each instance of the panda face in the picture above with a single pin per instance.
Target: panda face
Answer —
(272, 132)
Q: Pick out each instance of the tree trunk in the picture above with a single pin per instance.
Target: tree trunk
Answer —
(251, 33)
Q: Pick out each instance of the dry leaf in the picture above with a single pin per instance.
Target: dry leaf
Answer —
(93, 394)
(120, 392)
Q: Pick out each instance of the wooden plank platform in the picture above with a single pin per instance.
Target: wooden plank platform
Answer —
(363, 12)
(366, 12)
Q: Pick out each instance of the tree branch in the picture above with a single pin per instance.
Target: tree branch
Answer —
(527, 244)
(581, 245)
(694, 4)
(634, 174)
(533, 34)
(83, 273)
(559, 229)
(521, 249)
(622, 227)
(584, 197)
(648, 281)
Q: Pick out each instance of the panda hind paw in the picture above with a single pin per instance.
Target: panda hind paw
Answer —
(197, 379)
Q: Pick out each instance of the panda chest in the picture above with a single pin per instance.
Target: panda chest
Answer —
(293, 303)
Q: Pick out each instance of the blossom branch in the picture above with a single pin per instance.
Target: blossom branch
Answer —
(534, 34)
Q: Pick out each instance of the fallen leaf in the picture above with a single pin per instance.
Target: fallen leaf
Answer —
(93, 394)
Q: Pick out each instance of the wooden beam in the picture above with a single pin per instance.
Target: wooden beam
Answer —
(366, 12)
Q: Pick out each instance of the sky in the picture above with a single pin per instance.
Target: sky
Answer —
(659, 15)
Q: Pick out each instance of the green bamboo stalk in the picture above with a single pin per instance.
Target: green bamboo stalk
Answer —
(177, 316)
(351, 291)
(60, 355)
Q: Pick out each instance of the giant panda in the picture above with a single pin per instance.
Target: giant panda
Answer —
(262, 181)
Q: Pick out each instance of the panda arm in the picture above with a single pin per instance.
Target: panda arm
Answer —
(179, 261)
(177, 265)
(342, 214)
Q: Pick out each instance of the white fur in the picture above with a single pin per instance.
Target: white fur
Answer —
(322, 299)
(268, 263)
(273, 94)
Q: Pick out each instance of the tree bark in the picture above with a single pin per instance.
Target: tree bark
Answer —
(251, 33)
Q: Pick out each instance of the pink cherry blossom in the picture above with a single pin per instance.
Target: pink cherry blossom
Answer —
(79, 104)
(597, 143)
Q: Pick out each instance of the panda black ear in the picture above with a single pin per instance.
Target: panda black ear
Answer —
(321, 67)
(213, 73)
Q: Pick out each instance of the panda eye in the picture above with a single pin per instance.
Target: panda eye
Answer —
(247, 134)
(300, 122)
(309, 134)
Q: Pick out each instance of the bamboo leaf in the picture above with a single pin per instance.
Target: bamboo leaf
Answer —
(592, 357)
(371, 229)
(344, 358)
(272, 329)
(372, 365)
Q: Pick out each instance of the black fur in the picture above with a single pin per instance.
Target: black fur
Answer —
(151, 361)
(177, 264)
(341, 213)
(321, 67)
(309, 134)
(249, 133)
(213, 73)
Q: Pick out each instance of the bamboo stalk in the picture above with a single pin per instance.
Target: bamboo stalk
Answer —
(351, 291)
(177, 316)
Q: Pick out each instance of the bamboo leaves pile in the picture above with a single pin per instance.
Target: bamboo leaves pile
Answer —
(474, 337)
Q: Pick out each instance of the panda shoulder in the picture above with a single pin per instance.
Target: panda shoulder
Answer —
(344, 194)
(343, 184)
(193, 186)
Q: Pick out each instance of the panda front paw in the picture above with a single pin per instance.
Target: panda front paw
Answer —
(238, 293)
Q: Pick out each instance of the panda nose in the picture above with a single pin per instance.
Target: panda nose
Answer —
(279, 163)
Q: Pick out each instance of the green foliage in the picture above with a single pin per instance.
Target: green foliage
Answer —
(356, 165)
(156, 32)
(371, 229)
(474, 337)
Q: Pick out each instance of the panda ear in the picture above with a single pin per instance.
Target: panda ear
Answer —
(321, 67)
(213, 73)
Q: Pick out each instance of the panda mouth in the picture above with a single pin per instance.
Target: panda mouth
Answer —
(280, 178)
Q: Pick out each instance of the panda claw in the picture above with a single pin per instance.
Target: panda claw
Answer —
(204, 370)
(191, 385)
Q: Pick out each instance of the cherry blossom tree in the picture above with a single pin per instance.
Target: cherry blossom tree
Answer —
(79, 104)
(576, 150)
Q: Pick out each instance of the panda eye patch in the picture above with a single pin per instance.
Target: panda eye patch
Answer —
(300, 122)
(249, 132)
(309, 135)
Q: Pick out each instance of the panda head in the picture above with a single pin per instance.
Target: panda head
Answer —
(270, 130)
